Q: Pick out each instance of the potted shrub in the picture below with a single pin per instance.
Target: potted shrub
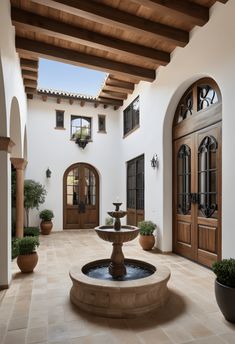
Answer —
(146, 237)
(46, 223)
(27, 256)
(31, 231)
(225, 287)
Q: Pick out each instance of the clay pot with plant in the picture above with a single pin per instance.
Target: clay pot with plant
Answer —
(225, 287)
(27, 256)
(146, 237)
(46, 224)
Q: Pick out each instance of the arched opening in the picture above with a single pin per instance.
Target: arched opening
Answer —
(5, 237)
(15, 128)
(197, 146)
(80, 197)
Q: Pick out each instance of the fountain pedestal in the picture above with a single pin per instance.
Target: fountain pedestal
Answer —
(117, 267)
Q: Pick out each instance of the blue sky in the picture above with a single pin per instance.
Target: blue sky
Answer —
(69, 78)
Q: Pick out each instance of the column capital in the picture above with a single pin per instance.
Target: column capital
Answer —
(19, 163)
(6, 144)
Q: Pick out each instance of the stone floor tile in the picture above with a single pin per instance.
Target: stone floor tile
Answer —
(178, 334)
(15, 337)
(58, 332)
(229, 338)
(155, 336)
(18, 323)
(36, 335)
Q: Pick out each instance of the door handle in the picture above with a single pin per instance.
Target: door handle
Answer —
(81, 207)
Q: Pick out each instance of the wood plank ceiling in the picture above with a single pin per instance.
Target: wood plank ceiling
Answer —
(129, 39)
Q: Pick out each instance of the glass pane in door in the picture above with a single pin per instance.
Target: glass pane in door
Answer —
(184, 180)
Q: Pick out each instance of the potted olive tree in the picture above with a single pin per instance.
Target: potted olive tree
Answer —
(34, 195)
(225, 287)
(46, 225)
(146, 237)
(27, 256)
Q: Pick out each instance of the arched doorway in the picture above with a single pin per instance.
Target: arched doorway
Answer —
(81, 197)
(197, 173)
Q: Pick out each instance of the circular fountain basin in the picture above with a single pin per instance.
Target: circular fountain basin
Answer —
(119, 298)
(126, 233)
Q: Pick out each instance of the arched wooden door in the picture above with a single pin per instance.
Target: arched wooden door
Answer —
(197, 173)
(81, 197)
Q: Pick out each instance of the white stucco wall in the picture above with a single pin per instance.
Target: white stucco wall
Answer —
(211, 53)
(11, 87)
(53, 148)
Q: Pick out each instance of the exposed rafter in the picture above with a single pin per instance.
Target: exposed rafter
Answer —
(104, 14)
(178, 9)
(55, 28)
(74, 57)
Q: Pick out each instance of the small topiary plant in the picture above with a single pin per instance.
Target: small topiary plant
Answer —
(28, 245)
(46, 215)
(31, 231)
(147, 227)
(225, 272)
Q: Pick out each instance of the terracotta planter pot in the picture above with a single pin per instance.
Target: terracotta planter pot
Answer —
(225, 297)
(46, 227)
(147, 242)
(27, 262)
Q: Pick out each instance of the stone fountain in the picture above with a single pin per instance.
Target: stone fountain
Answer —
(118, 287)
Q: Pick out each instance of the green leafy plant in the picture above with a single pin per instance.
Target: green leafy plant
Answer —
(109, 221)
(225, 272)
(34, 195)
(27, 245)
(31, 231)
(46, 215)
(146, 227)
(14, 247)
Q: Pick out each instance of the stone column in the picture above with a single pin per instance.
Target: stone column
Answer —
(5, 212)
(19, 165)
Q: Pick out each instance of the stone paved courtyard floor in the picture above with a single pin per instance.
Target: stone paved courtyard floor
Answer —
(37, 309)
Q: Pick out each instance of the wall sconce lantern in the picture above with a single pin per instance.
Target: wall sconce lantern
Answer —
(48, 173)
(154, 161)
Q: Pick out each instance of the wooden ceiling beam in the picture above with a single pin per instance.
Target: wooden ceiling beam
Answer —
(107, 87)
(30, 90)
(31, 65)
(127, 86)
(112, 95)
(114, 17)
(30, 83)
(178, 9)
(28, 74)
(54, 28)
(109, 101)
(45, 50)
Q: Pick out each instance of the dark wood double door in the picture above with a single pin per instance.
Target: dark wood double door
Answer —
(81, 197)
(197, 174)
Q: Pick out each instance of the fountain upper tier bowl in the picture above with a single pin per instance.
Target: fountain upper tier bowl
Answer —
(126, 233)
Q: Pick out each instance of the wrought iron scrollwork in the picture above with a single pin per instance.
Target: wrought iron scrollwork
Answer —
(185, 108)
(206, 97)
(184, 179)
(207, 173)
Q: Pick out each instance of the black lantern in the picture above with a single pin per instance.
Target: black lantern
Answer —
(48, 173)
(82, 142)
(154, 161)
